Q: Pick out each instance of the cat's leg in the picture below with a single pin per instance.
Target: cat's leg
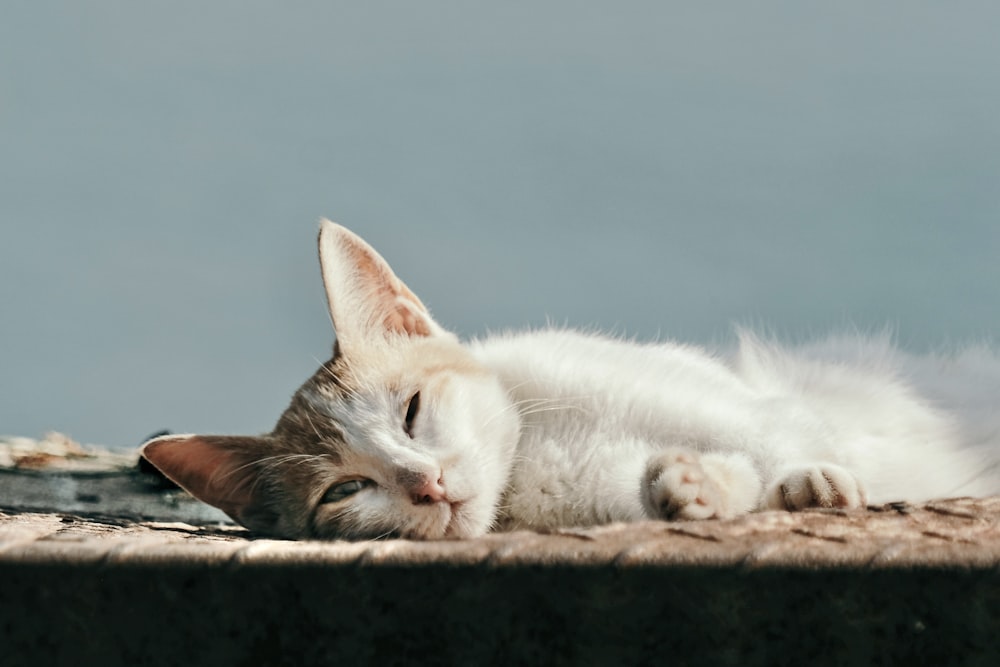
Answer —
(819, 485)
(683, 484)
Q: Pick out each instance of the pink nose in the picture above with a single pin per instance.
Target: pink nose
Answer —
(429, 492)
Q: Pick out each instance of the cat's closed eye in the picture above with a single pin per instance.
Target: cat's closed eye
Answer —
(343, 490)
(411, 413)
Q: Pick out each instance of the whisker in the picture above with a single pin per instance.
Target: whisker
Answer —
(554, 408)
(268, 463)
(529, 406)
(309, 420)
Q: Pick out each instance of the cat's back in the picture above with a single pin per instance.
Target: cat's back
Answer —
(563, 362)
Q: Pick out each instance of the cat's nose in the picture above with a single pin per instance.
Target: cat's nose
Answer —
(429, 492)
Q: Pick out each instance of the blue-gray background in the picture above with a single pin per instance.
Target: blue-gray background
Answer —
(654, 168)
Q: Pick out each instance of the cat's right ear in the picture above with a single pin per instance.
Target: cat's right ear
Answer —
(220, 470)
(368, 303)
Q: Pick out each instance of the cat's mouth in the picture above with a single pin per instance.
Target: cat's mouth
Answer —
(452, 528)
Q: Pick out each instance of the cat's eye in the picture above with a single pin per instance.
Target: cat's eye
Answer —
(411, 413)
(338, 492)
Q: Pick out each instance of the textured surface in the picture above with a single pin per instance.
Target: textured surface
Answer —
(949, 534)
(99, 581)
(901, 584)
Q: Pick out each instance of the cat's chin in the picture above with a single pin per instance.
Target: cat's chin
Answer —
(462, 525)
(459, 523)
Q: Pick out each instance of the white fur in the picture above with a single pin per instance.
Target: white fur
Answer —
(759, 424)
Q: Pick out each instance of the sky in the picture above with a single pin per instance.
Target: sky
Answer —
(657, 169)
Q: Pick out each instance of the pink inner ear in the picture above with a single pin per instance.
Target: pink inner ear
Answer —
(402, 312)
(401, 318)
(205, 467)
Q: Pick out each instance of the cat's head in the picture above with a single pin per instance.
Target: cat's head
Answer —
(402, 433)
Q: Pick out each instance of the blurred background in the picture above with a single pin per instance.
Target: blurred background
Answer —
(657, 169)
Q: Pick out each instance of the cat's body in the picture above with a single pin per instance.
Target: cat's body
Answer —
(408, 432)
(597, 411)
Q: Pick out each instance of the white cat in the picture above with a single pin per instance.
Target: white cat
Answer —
(407, 432)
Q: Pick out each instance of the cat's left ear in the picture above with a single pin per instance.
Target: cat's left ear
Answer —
(220, 470)
(368, 303)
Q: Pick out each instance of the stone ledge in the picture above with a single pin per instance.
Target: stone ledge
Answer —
(950, 534)
(903, 584)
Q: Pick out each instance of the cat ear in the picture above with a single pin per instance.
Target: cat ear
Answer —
(219, 470)
(368, 303)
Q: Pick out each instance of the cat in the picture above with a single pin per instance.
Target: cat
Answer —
(407, 432)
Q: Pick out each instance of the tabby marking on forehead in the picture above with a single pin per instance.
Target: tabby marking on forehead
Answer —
(335, 372)
(304, 429)
(323, 402)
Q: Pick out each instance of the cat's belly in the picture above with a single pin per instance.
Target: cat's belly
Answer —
(578, 481)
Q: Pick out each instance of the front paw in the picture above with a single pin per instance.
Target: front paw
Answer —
(822, 485)
(677, 487)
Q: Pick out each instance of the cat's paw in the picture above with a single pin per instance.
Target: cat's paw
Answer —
(821, 485)
(682, 484)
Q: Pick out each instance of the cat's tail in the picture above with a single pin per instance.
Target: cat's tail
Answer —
(964, 383)
(961, 387)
